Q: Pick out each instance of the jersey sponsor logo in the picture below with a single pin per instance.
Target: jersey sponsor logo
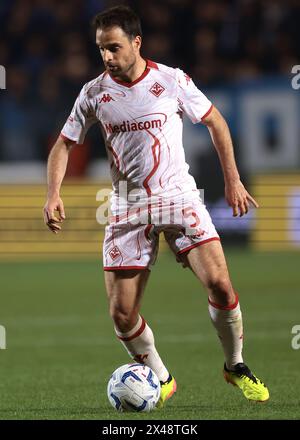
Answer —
(156, 89)
(115, 253)
(126, 126)
(106, 98)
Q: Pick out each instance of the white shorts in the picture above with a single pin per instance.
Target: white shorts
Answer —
(135, 246)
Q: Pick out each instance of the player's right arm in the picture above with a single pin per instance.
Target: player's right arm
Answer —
(80, 120)
(56, 169)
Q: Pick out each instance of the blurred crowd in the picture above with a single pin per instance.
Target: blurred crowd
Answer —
(48, 50)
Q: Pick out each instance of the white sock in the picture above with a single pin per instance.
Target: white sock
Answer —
(229, 325)
(139, 343)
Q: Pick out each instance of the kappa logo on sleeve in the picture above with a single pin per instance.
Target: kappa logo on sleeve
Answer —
(156, 89)
(140, 358)
(106, 98)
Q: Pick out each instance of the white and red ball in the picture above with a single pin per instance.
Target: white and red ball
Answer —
(133, 387)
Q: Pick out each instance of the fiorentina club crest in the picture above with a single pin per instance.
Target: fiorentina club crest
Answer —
(156, 89)
(114, 253)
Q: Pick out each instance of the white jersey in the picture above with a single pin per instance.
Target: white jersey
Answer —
(141, 123)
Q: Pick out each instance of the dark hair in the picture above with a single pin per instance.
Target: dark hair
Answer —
(121, 16)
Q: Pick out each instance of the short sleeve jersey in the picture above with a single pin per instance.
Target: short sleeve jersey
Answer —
(142, 124)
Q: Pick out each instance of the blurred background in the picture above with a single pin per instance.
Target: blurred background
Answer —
(240, 53)
(61, 346)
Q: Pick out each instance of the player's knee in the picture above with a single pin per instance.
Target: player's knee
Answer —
(218, 283)
(220, 289)
(123, 318)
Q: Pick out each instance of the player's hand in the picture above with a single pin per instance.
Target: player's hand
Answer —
(51, 220)
(238, 198)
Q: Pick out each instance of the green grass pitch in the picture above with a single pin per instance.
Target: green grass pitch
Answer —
(61, 347)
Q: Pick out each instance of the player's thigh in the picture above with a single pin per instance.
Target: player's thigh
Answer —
(127, 246)
(208, 263)
(128, 253)
(125, 289)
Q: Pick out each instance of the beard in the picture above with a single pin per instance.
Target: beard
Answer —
(118, 70)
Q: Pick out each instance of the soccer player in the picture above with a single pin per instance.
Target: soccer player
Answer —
(139, 106)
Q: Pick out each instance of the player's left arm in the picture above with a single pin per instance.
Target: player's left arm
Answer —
(235, 193)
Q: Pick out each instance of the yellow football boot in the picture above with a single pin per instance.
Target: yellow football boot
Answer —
(252, 388)
(167, 389)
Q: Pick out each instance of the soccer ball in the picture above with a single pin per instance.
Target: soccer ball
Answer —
(133, 387)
